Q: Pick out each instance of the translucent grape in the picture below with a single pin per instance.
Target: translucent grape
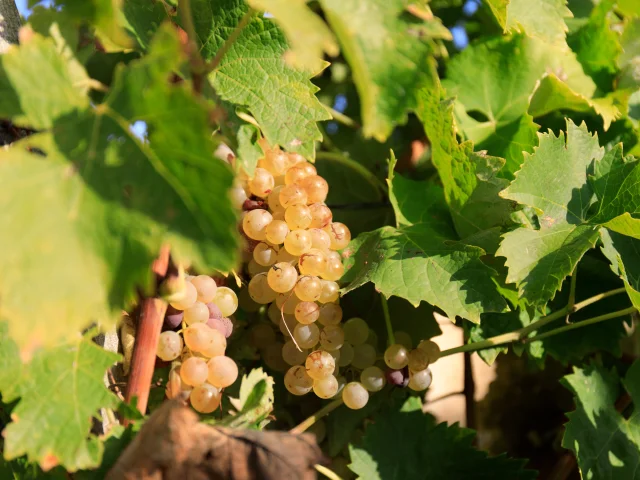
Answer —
(276, 161)
(403, 338)
(187, 298)
(307, 312)
(316, 188)
(420, 381)
(260, 290)
(292, 355)
(292, 195)
(273, 200)
(172, 319)
(277, 231)
(431, 348)
(330, 314)
(299, 172)
(298, 242)
(226, 300)
(363, 356)
(273, 312)
(282, 277)
(373, 379)
(372, 339)
(339, 234)
(254, 268)
(308, 288)
(169, 346)
(222, 325)
(255, 222)
(262, 335)
(175, 385)
(313, 262)
(334, 270)
(238, 196)
(321, 215)
(288, 325)
(287, 302)
(356, 331)
(284, 256)
(332, 254)
(193, 371)
(354, 395)
(330, 292)
(196, 313)
(325, 387)
(206, 288)
(306, 335)
(335, 354)
(295, 158)
(297, 381)
(203, 339)
(320, 364)
(272, 357)
(331, 338)
(262, 183)
(264, 254)
(214, 310)
(346, 355)
(205, 398)
(298, 217)
(418, 360)
(320, 239)
(222, 371)
(396, 356)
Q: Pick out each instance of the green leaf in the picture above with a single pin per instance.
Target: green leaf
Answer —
(10, 366)
(605, 443)
(143, 19)
(308, 35)
(437, 451)
(538, 18)
(249, 152)
(111, 201)
(255, 401)
(253, 73)
(624, 254)
(61, 389)
(389, 54)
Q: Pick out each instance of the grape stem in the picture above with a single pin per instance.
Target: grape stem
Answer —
(323, 412)
(522, 333)
(387, 320)
(285, 323)
(327, 472)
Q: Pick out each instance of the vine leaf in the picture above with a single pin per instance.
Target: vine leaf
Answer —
(390, 62)
(255, 401)
(60, 390)
(111, 201)
(624, 254)
(254, 74)
(249, 152)
(437, 451)
(308, 35)
(605, 443)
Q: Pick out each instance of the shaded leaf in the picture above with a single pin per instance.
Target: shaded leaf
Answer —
(249, 152)
(255, 401)
(624, 254)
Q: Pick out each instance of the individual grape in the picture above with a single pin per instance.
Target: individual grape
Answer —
(288, 325)
(316, 188)
(205, 398)
(335, 354)
(308, 288)
(172, 319)
(356, 331)
(363, 356)
(299, 172)
(255, 222)
(169, 346)
(325, 387)
(282, 277)
(418, 360)
(334, 270)
(188, 297)
(272, 357)
(298, 217)
(332, 254)
(196, 313)
(260, 290)
(320, 364)
(313, 262)
(206, 288)
(226, 300)
(332, 338)
(264, 254)
(372, 339)
(330, 292)
(321, 215)
(222, 325)
(284, 256)
(276, 161)
(237, 195)
(214, 310)
(307, 312)
(354, 395)
(292, 355)
(298, 242)
(175, 385)
(273, 312)
(339, 234)
(431, 348)
(295, 158)
(276, 232)
(419, 381)
(373, 379)
(346, 355)
(403, 338)
(262, 335)
(254, 268)
(273, 200)
(197, 336)
(262, 183)
(330, 314)
(222, 371)
(306, 335)
(193, 371)
(287, 302)
(217, 343)
(245, 302)
(292, 195)
(320, 239)
(396, 356)
(399, 378)
(318, 429)
(297, 381)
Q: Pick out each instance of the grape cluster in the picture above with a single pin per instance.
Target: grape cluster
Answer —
(200, 367)
(409, 367)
